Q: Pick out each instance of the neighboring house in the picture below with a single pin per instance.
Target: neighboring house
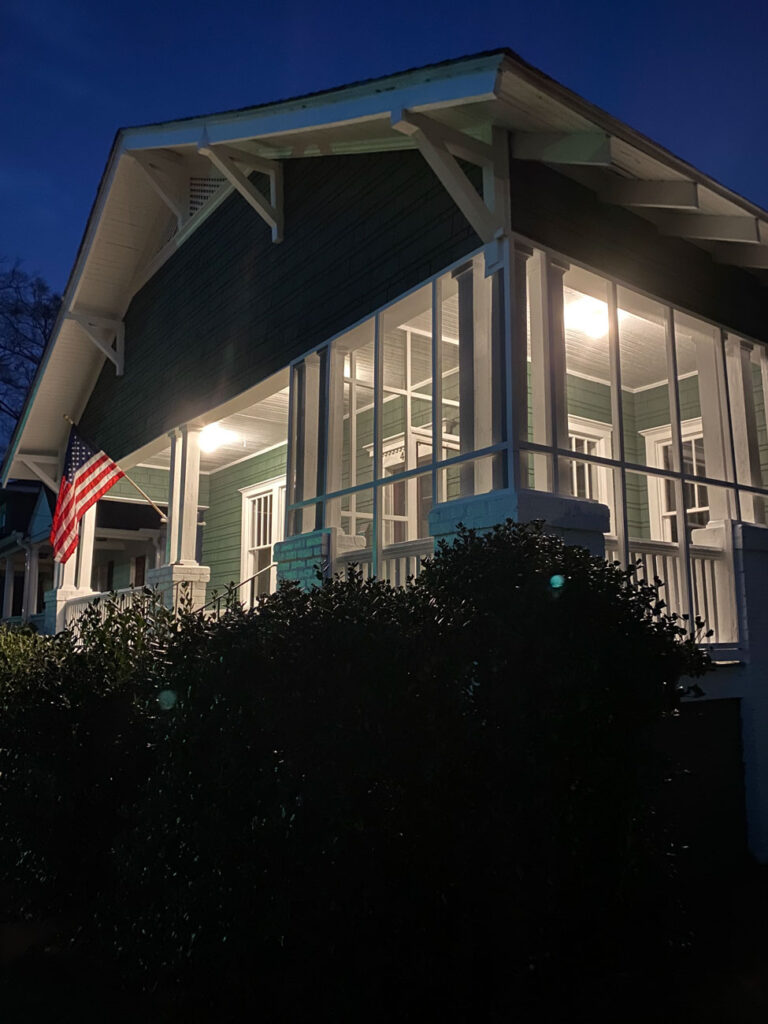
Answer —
(25, 552)
(333, 327)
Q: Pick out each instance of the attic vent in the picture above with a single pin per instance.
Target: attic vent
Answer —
(200, 191)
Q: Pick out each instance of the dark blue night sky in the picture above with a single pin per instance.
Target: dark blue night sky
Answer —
(692, 76)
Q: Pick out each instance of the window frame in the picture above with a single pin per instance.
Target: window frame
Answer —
(276, 486)
(656, 439)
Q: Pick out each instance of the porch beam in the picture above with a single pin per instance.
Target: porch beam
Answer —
(661, 195)
(107, 335)
(739, 254)
(715, 227)
(227, 165)
(162, 171)
(583, 148)
(486, 224)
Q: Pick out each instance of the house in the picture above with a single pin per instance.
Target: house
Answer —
(333, 327)
(25, 553)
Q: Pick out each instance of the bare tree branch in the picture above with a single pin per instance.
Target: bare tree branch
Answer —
(28, 310)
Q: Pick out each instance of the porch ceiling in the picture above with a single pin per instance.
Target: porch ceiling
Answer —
(253, 429)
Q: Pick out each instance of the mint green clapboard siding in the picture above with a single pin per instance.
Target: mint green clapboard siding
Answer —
(223, 518)
(153, 481)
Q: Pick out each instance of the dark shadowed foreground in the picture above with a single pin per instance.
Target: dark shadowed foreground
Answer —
(354, 803)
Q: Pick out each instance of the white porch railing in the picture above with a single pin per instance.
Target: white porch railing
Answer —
(397, 562)
(711, 581)
(120, 598)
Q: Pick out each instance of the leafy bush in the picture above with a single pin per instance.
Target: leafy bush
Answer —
(357, 799)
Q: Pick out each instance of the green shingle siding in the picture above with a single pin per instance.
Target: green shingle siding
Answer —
(230, 307)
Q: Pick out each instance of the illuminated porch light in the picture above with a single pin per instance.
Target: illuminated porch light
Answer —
(214, 436)
(589, 316)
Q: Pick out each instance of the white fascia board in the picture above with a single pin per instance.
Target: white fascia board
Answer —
(604, 121)
(369, 103)
(68, 298)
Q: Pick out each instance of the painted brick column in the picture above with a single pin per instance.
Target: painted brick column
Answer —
(577, 521)
(298, 558)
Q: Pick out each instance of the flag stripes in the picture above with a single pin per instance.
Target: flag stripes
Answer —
(88, 475)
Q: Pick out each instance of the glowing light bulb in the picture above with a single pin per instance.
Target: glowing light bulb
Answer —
(589, 316)
(214, 436)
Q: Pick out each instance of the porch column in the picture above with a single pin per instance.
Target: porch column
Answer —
(548, 394)
(85, 549)
(8, 589)
(189, 489)
(181, 574)
(174, 480)
(744, 420)
(64, 589)
(31, 564)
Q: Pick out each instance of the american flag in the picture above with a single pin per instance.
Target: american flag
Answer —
(88, 475)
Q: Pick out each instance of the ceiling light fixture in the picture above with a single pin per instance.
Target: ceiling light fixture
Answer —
(214, 436)
(589, 316)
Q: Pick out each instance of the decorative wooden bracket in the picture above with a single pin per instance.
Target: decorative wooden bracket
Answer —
(32, 461)
(229, 159)
(106, 333)
(163, 169)
(440, 145)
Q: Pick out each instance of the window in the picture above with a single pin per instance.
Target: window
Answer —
(262, 528)
(662, 495)
(590, 437)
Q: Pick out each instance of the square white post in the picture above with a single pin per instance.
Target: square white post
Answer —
(85, 549)
(174, 500)
(308, 438)
(189, 489)
(8, 589)
(744, 419)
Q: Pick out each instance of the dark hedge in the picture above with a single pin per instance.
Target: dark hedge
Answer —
(355, 802)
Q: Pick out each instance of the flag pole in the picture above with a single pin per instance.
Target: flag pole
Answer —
(145, 496)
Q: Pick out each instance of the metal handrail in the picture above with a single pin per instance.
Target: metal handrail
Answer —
(236, 586)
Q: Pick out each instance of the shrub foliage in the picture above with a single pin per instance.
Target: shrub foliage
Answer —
(355, 799)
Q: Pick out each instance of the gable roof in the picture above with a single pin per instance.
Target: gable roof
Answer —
(158, 188)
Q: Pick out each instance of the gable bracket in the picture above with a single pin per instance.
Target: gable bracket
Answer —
(227, 160)
(439, 146)
(33, 462)
(162, 169)
(106, 333)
